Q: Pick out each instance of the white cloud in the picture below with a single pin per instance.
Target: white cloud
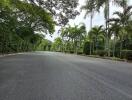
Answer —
(98, 18)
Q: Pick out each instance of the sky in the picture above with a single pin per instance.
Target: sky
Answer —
(97, 20)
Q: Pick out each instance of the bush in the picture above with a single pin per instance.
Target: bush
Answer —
(86, 48)
(71, 51)
(116, 53)
(101, 53)
(127, 54)
(66, 51)
(80, 52)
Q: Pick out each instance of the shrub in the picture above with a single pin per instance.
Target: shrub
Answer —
(66, 51)
(127, 54)
(101, 53)
(80, 52)
(86, 48)
(116, 53)
(71, 51)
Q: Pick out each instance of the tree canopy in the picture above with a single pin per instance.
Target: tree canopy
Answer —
(61, 10)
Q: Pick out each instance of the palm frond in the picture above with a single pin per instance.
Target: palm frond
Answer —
(89, 7)
(122, 3)
(100, 3)
(113, 20)
(118, 13)
(127, 10)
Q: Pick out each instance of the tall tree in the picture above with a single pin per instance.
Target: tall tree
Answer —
(90, 8)
(95, 33)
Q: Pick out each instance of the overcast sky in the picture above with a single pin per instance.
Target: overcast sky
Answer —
(98, 18)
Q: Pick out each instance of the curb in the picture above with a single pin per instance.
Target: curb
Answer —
(5, 55)
(107, 58)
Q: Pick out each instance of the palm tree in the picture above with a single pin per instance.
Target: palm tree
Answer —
(90, 8)
(63, 35)
(114, 31)
(94, 34)
(75, 34)
(66, 37)
(123, 18)
(81, 33)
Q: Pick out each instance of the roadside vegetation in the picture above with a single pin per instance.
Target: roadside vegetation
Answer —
(112, 40)
(24, 23)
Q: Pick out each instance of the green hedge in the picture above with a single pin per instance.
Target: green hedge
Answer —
(86, 48)
(71, 51)
(101, 53)
(80, 52)
(126, 54)
(116, 54)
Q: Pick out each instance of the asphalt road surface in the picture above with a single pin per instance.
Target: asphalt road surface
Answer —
(57, 76)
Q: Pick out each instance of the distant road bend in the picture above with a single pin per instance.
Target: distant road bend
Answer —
(58, 76)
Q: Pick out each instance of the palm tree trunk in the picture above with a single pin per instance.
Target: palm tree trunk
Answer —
(93, 46)
(62, 44)
(91, 20)
(107, 26)
(114, 46)
(121, 46)
(90, 48)
(96, 44)
(121, 49)
(91, 25)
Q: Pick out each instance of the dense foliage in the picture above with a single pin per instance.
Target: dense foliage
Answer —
(22, 21)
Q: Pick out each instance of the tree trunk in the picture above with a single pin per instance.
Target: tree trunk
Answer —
(96, 44)
(121, 49)
(114, 46)
(91, 25)
(93, 45)
(121, 46)
(107, 27)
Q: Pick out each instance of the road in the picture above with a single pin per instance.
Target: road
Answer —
(57, 76)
